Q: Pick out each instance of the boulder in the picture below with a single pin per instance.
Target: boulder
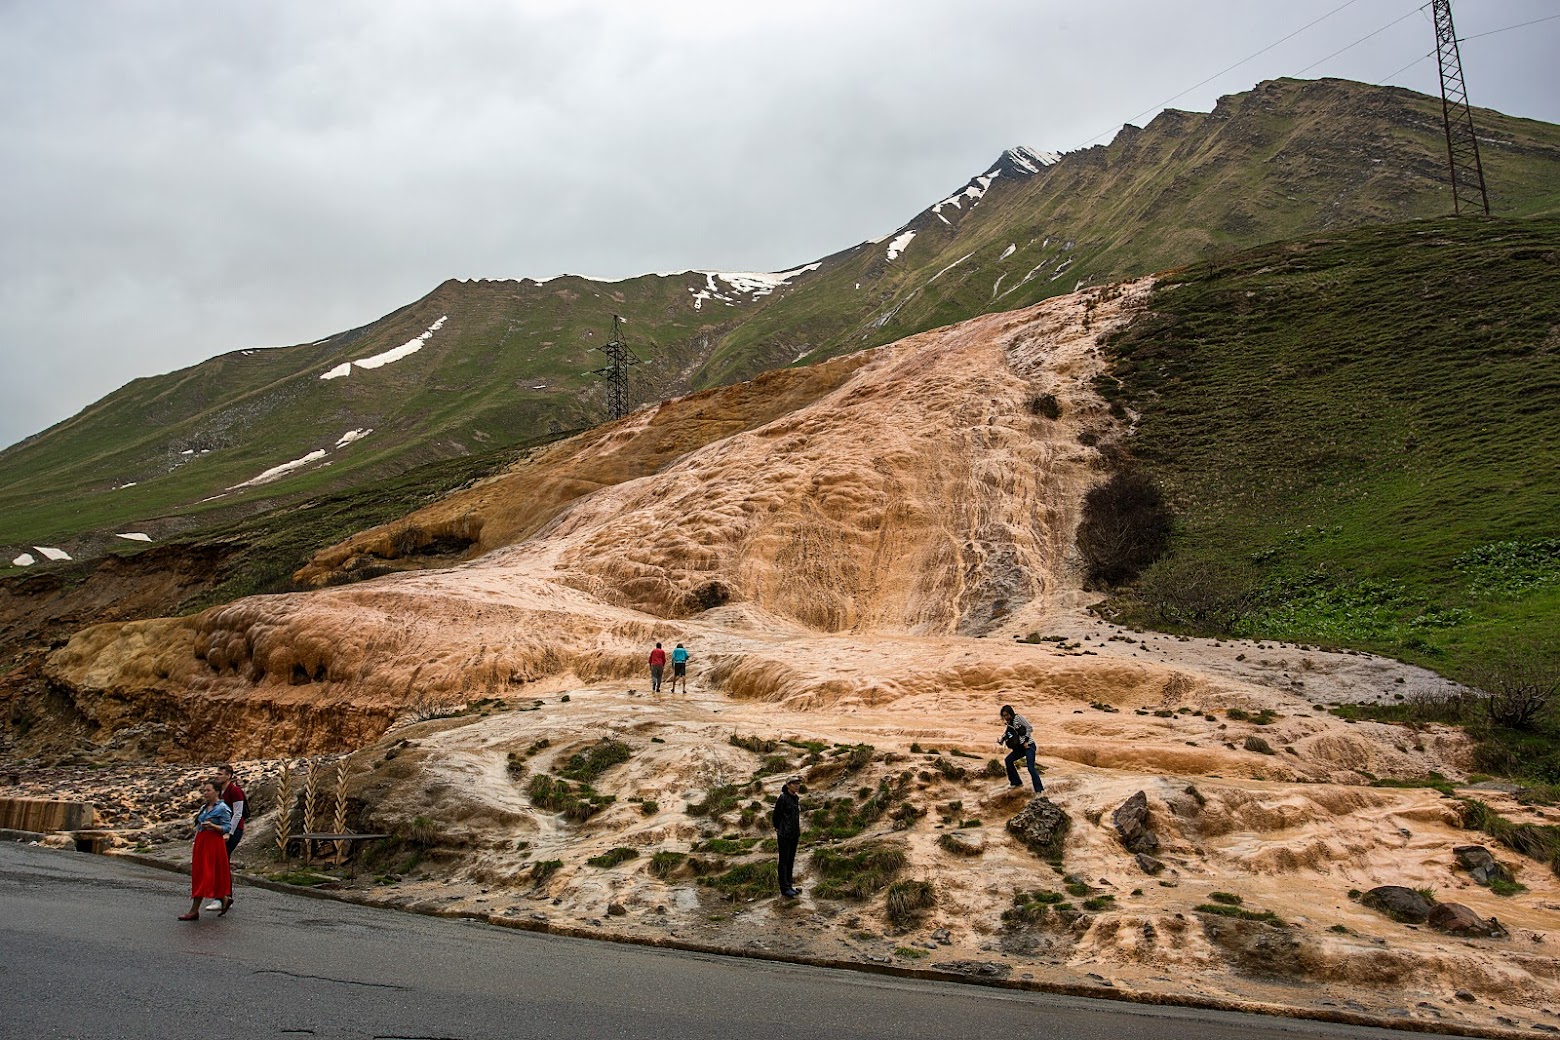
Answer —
(1041, 825)
(1456, 919)
(1480, 865)
(1149, 864)
(1131, 820)
(1399, 903)
(964, 842)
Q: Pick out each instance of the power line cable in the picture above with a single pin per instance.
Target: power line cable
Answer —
(1394, 75)
(1216, 75)
(1463, 39)
(1508, 28)
(1357, 42)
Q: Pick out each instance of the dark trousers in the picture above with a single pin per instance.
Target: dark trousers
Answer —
(787, 859)
(233, 840)
(1028, 755)
(655, 677)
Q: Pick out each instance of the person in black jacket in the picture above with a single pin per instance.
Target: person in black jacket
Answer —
(788, 831)
(1019, 739)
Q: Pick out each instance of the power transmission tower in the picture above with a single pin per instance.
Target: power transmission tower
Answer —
(619, 358)
(1462, 144)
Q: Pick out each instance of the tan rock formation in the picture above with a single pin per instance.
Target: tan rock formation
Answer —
(852, 553)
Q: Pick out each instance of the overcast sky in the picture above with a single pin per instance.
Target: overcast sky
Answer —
(188, 177)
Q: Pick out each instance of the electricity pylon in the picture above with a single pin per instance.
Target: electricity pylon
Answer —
(1462, 144)
(619, 358)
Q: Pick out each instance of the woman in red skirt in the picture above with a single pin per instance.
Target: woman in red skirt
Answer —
(210, 877)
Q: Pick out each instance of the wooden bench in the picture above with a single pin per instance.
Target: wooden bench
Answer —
(343, 842)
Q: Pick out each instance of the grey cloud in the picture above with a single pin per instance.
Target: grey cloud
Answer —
(185, 178)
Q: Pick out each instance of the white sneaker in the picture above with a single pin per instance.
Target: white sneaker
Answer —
(215, 904)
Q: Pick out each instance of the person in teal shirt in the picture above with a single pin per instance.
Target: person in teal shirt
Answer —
(680, 668)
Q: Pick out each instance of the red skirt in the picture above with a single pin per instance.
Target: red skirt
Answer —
(210, 877)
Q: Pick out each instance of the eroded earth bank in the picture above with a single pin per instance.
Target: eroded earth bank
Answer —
(866, 559)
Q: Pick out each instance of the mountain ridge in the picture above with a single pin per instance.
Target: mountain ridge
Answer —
(164, 453)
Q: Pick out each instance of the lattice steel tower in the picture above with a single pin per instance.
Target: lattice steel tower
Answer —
(619, 358)
(1462, 144)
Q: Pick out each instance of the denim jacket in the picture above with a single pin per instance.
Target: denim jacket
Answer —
(219, 814)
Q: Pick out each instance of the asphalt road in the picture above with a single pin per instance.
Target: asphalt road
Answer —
(89, 947)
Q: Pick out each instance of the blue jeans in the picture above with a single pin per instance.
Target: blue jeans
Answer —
(1028, 755)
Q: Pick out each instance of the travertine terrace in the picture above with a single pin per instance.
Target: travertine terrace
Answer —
(852, 552)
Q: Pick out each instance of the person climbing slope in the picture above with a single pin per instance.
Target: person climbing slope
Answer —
(1019, 739)
(657, 668)
(679, 667)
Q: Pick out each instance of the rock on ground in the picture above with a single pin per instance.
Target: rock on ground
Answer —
(1042, 825)
(1131, 820)
(1399, 903)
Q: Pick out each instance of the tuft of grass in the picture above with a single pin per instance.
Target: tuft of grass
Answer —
(1539, 842)
(907, 901)
(746, 881)
(858, 872)
(1432, 780)
(665, 863)
(1225, 910)
(543, 869)
(909, 953)
(1225, 898)
(613, 857)
(1029, 907)
(577, 802)
(756, 744)
(588, 765)
(717, 802)
(1502, 887)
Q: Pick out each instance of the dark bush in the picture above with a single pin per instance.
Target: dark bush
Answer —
(1126, 526)
(1519, 685)
(1206, 595)
(1046, 405)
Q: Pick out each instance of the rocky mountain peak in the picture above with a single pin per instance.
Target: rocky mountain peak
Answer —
(1023, 161)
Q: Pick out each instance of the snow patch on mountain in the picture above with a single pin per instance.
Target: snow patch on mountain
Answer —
(1017, 160)
(1009, 251)
(134, 536)
(52, 553)
(950, 267)
(388, 357)
(754, 283)
(353, 435)
(277, 472)
(24, 560)
(405, 350)
(1031, 160)
(898, 245)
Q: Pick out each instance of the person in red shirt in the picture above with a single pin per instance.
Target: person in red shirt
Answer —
(657, 668)
(233, 795)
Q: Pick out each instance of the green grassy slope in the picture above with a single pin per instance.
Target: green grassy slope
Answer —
(1360, 436)
(1286, 159)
